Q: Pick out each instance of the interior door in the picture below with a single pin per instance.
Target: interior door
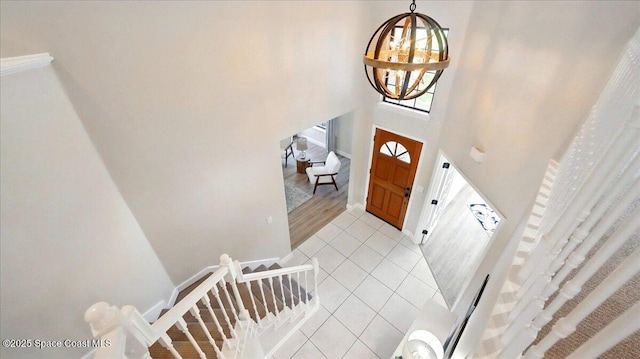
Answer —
(393, 168)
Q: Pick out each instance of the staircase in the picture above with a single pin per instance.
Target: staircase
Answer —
(233, 312)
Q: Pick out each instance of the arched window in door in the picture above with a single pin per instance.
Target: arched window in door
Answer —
(395, 149)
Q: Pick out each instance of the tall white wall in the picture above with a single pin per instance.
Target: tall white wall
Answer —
(344, 133)
(186, 103)
(523, 77)
(528, 76)
(68, 237)
(417, 125)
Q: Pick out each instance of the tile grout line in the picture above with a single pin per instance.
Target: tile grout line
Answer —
(406, 272)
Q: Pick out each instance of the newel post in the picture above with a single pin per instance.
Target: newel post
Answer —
(117, 332)
(230, 277)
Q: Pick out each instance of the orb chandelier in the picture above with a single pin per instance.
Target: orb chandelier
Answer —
(406, 55)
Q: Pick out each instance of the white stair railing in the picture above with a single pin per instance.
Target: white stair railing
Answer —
(145, 334)
(130, 335)
(300, 301)
(593, 202)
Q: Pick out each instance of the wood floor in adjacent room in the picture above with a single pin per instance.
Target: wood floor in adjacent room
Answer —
(324, 206)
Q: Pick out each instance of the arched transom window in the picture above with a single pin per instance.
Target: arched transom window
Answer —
(395, 149)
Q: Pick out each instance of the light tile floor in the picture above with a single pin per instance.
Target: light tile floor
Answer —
(373, 282)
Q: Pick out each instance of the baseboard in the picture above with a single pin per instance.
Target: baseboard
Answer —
(343, 154)
(210, 269)
(408, 234)
(315, 142)
(253, 264)
(286, 258)
(194, 278)
(356, 205)
(153, 313)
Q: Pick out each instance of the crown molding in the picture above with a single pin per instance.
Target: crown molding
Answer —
(12, 65)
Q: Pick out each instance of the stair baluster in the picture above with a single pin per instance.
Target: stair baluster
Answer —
(133, 337)
(165, 341)
(611, 335)
(306, 283)
(293, 303)
(182, 325)
(275, 301)
(567, 325)
(230, 277)
(304, 297)
(264, 298)
(196, 313)
(224, 315)
(316, 270)
(281, 285)
(255, 307)
(228, 297)
(207, 302)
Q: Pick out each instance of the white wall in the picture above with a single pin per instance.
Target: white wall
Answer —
(344, 133)
(68, 237)
(417, 125)
(528, 75)
(186, 103)
(172, 93)
(316, 136)
(523, 76)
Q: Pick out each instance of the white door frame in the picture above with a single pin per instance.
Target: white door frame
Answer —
(415, 178)
(438, 190)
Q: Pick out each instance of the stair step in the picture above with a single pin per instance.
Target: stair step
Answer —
(183, 293)
(302, 294)
(198, 333)
(185, 349)
(248, 303)
(205, 315)
(280, 290)
(212, 298)
(271, 305)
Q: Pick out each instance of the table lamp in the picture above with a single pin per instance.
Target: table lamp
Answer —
(301, 145)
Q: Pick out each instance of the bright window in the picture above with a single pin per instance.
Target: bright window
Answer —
(395, 149)
(424, 102)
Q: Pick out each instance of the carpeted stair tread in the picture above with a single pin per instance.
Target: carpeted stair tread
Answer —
(248, 303)
(183, 293)
(205, 315)
(185, 348)
(214, 303)
(257, 290)
(302, 294)
(196, 330)
(278, 289)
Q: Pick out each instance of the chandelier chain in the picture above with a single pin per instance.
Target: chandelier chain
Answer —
(412, 7)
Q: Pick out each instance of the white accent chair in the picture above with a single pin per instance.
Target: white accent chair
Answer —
(323, 175)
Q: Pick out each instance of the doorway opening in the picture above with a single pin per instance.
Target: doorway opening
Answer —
(458, 225)
(309, 212)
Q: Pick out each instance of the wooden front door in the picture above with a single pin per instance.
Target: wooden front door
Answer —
(393, 168)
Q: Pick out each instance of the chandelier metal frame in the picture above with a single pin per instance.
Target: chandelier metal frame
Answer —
(408, 58)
